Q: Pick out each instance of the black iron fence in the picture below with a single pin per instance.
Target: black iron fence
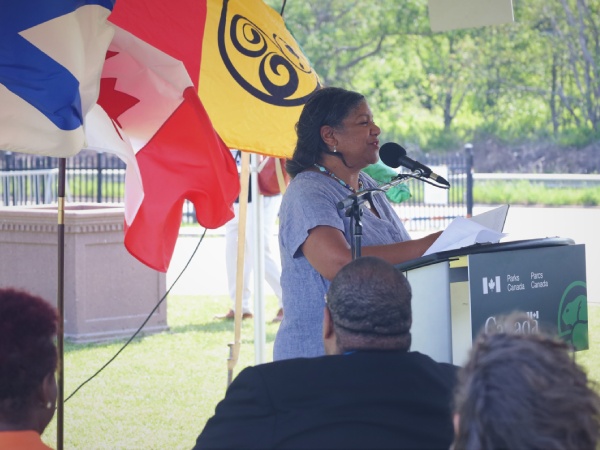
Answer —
(432, 207)
(32, 180)
(100, 178)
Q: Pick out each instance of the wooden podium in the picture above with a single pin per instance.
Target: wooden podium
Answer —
(459, 292)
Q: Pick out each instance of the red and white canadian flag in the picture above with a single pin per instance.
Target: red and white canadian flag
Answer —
(149, 112)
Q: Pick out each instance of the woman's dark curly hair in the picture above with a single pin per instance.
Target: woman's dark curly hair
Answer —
(524, 391)
(27, 352)
(327, 106)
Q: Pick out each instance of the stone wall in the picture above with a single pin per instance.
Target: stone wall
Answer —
(107, 292)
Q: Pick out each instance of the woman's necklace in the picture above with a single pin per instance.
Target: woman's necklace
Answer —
(342, 182)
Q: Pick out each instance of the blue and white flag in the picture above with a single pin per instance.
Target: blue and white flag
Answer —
(51, 58)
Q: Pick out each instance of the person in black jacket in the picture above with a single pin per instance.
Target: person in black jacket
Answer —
(369, 391)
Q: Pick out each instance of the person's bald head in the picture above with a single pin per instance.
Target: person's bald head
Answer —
(369, 307)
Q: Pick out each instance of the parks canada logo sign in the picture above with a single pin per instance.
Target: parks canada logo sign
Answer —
(571, 312)
(573, 316)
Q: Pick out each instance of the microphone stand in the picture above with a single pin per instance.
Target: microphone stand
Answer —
(352, 205)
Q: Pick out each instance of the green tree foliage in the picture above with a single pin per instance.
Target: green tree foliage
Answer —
(536, 78)
(575, 37)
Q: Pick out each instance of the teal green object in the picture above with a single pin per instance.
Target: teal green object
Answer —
(384, 174)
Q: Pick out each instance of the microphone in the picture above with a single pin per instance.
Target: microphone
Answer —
(394, 155)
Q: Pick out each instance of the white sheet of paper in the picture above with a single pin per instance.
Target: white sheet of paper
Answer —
(493, 219)
(463, 232)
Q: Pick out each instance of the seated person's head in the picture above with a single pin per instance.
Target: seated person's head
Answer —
(28, 361)
(524, 391)
(368, 308)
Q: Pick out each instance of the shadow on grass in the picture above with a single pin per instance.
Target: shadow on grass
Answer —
(213, 326)
(225, 326)
(269, 337)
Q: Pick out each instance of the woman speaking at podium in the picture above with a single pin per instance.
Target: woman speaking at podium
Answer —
(337, 138)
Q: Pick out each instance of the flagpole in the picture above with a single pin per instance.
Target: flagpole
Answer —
(234, 348)
(60, 304)
(258, 238)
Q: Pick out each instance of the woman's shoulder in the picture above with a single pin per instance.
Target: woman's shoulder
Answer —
(308, 183)
(310, 190)
(307, 176)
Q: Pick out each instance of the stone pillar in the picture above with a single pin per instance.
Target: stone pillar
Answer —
(107, 292)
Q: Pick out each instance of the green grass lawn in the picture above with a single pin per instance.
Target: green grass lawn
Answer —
(525, 192)
(162, 388)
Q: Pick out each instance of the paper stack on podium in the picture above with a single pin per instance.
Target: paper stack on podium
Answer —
(462, 232)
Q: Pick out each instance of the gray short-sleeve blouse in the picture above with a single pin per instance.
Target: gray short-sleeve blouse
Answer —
(311, 200)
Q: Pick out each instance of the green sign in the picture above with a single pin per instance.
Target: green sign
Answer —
(547, 283)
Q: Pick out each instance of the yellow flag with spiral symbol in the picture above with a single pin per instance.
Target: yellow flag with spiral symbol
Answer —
(254, 79)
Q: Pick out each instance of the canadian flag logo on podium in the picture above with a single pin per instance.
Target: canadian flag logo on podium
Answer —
(491, 284)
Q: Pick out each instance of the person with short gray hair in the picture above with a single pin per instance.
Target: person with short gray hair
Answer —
(524, 391)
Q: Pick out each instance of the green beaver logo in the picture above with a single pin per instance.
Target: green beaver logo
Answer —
(573, 316)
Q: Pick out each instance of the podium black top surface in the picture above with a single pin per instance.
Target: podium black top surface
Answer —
(483, 248)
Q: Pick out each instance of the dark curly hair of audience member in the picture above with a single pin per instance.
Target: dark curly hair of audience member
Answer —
(370, 305)
(524, 391)
(28, 354)
(327, 106)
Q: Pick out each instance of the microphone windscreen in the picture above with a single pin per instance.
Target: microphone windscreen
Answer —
(390, 154)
